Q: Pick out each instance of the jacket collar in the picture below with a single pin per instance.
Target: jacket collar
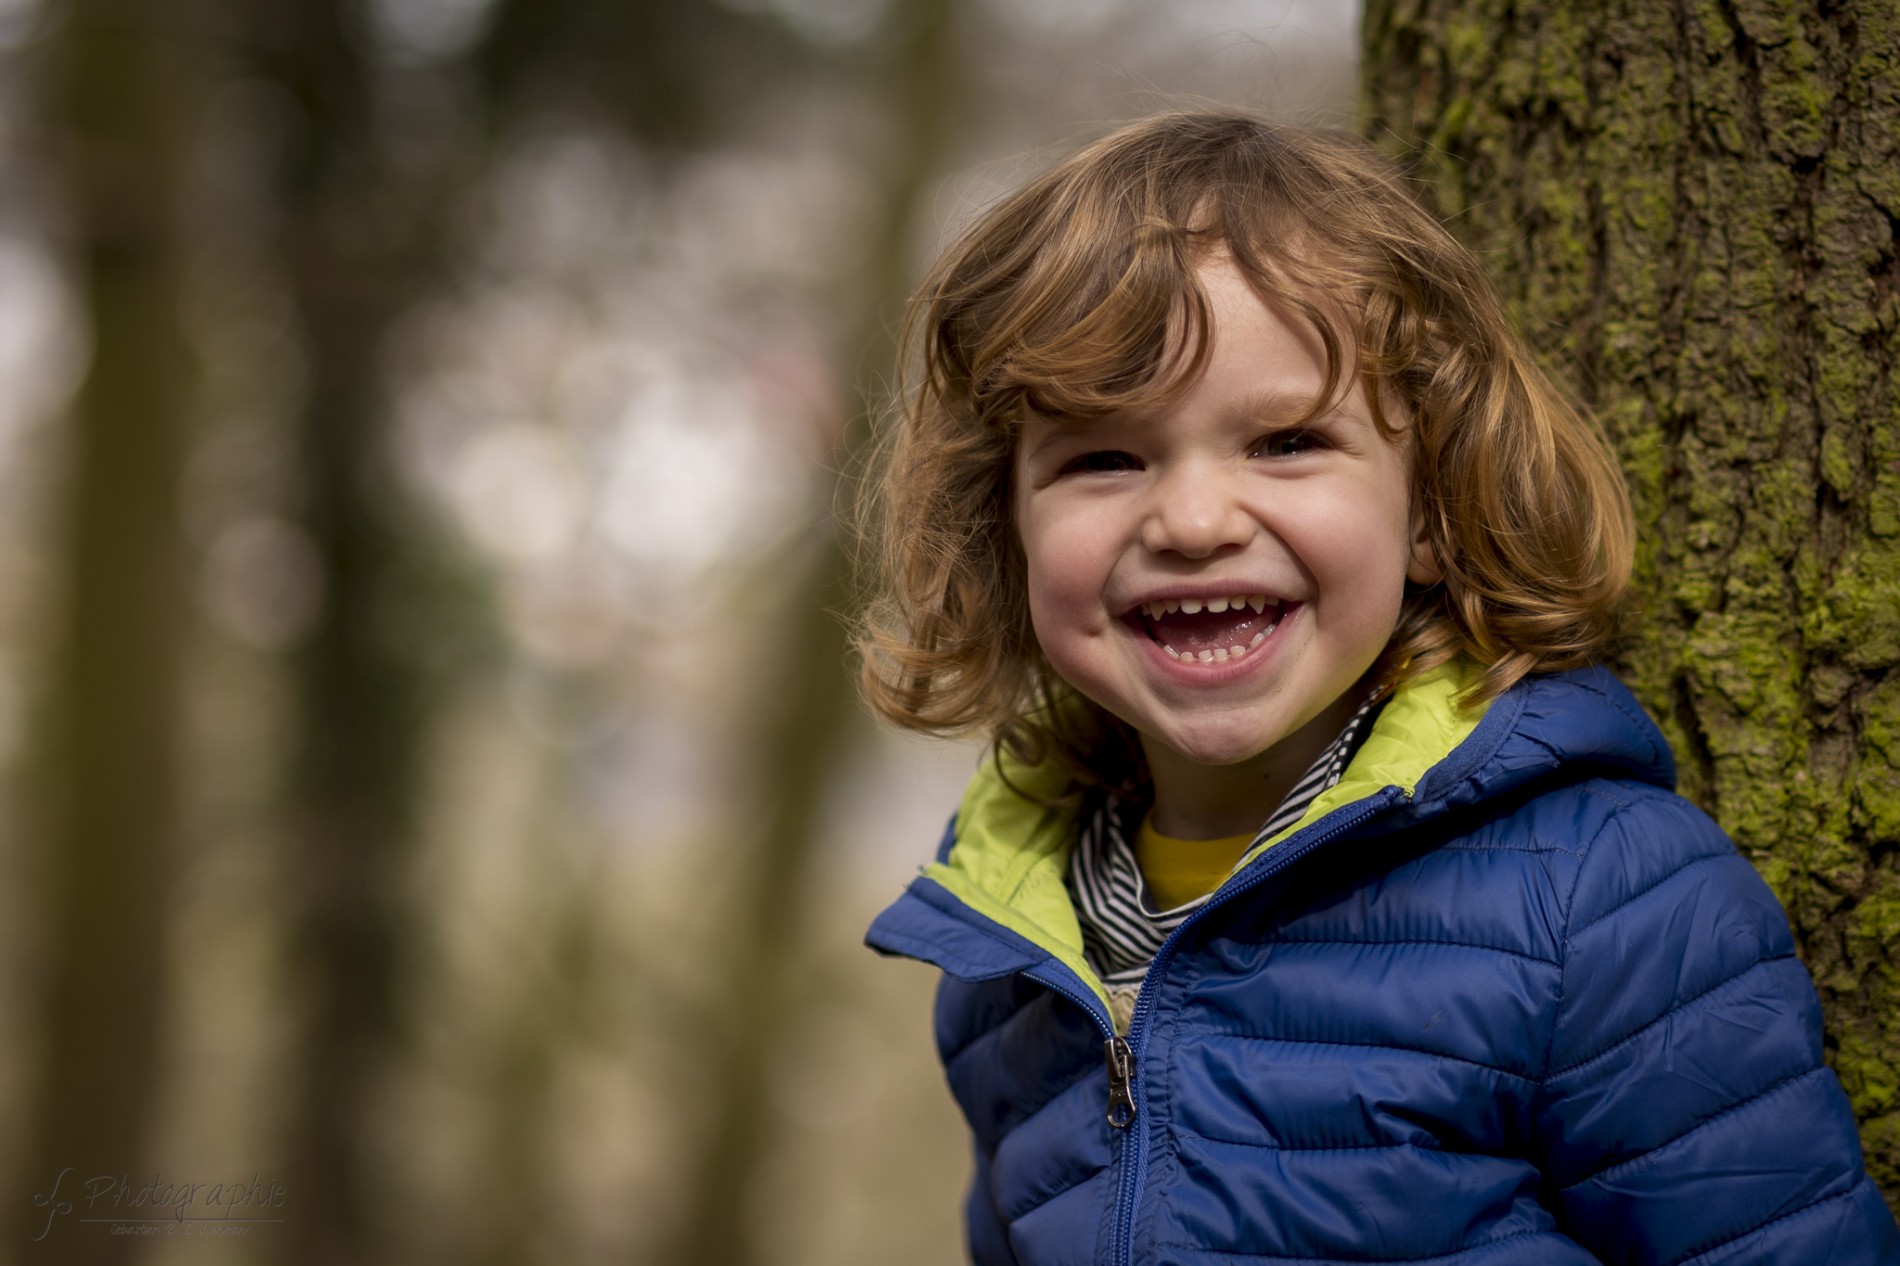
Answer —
(995, 901)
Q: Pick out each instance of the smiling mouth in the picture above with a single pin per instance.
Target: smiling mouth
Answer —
(1209, 630)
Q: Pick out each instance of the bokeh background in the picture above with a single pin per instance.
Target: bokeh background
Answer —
(430, 776)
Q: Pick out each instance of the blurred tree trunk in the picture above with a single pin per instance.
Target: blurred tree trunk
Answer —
(804, 728)
(123, 95)
(367, 196)
(359, 241)
(1695, 205)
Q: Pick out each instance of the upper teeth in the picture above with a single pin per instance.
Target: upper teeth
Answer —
(1194, 606)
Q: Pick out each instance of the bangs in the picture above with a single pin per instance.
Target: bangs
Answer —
(1082, 298)
(1104, 318)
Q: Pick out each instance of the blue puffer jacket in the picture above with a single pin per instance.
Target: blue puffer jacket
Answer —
(1500, 998)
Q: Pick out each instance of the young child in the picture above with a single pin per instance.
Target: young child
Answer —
(1320, 902)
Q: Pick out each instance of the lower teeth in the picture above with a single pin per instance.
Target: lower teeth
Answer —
(1221, 653)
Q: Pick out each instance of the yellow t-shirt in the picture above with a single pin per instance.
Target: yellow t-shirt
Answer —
(1180, 871)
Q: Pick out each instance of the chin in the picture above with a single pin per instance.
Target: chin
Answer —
(1215, 749)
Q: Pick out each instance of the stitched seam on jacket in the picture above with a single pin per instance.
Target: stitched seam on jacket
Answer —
(1184, 1132)
(1634, 897)
(1505, 846)
(1645, 1156)
(1563, 972)
(1684, 1005)
(1470, 945)
(1596, 788)
(991, 1031)
(982, 1192)
(1370, 1261)
(993, 1034)
(986, 1034)
(1012, 1219)
(1803, 1211)
(1067, 1087)
(1361, 1046)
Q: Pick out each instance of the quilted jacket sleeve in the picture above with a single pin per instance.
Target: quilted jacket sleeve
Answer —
(1686, 1116)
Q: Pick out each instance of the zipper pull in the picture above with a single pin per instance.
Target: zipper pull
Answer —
(1121, 1082)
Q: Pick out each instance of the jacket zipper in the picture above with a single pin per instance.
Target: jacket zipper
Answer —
(1124, 1054)
(1121, 1081)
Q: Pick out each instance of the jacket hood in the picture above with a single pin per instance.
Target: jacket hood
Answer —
(999, 875)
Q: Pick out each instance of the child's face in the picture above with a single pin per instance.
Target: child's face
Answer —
(1213, 498)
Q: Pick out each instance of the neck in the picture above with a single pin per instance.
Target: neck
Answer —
(1194, 801)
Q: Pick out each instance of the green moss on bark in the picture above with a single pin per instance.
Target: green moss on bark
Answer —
(1692, 208)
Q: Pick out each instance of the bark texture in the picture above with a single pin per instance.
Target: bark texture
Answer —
(1691, 207)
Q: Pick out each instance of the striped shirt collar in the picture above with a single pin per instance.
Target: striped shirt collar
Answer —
(1121, 929)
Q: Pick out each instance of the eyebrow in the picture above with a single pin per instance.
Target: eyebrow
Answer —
(1058, 430)
(1277, 405)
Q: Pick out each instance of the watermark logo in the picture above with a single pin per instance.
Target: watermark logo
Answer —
(159, 1207)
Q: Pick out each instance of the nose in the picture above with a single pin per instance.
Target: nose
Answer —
(1195, 512)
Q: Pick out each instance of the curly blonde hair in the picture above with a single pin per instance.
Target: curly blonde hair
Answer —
(1077, 297)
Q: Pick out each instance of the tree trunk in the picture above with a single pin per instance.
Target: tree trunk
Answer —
(803, 730)
(1692, 207)
(360, 239)
(123, 93)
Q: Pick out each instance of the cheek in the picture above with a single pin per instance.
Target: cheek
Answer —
(1361, 558)
(1055, 597)
(1063, 567)
(1064, 579)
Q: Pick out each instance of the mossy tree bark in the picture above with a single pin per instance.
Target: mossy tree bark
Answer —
(1692, 207)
